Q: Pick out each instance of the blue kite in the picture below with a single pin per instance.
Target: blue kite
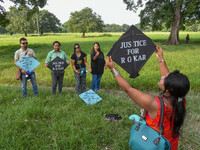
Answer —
(90, 97)
(27, 63)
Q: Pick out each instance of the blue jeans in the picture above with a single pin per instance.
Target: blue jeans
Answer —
(24, 84)
(96, 78)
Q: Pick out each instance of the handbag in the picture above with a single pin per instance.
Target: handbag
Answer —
(143, 137)
(83, 69)
(18, 74)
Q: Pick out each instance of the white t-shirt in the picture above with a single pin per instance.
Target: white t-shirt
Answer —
(21, 53)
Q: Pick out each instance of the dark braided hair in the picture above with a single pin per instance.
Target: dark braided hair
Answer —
(178, 86)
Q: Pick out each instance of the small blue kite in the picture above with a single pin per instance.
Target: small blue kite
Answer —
(27, 63)
(90, 97)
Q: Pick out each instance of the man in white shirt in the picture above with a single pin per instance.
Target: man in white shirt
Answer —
(18, 55)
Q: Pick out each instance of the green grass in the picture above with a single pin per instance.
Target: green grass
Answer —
(182, 57)
(65, 121)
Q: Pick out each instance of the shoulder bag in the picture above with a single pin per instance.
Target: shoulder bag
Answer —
(83, 69)
(143, 137)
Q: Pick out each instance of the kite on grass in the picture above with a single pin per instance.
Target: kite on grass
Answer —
(90, 97)
(132, 51)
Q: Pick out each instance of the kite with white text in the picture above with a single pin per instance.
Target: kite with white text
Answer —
(132, 51)
(57, 65)
(27, 63)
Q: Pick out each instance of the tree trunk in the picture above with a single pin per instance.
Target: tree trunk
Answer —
(25, 34)
(37, 19)
(174, 34)
(83, 35)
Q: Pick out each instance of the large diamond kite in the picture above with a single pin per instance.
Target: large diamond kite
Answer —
(27, 63)
(132, 51)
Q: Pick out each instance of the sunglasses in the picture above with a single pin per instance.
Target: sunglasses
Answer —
(76, 47)
(24, 43)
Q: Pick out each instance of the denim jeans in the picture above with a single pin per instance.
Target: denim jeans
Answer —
(96, 78)
(24, 79)
(57, 80)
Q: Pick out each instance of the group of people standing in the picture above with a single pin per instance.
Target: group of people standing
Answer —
(78, 61)
(174, 85)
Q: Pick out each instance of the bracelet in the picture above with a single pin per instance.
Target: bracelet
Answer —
(162, 60)
(115, 72)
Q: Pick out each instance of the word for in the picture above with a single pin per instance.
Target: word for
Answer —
(135, 44)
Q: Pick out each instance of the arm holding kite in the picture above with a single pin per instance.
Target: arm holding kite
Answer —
(48, 59)
(66, 59)
(32, 54)
(86, 63)
(16, 59)
(146, 101)
(163, 67)
(22, 70)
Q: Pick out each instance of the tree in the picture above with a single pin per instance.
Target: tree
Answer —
(64, 27)
(174, 14)
(3, 30)
(125, 27)
(84, 21)
(48, 22)
(35, 4)
(19, 22)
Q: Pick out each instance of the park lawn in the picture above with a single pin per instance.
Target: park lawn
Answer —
(65, 121)
(183, 57)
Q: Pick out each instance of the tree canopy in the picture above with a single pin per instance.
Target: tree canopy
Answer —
(173, 14)
(48, 22)
(115, 28)
(85, 21)
(19, 20)
(34, 4)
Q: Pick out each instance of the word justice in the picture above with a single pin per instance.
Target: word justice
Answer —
(135, 44)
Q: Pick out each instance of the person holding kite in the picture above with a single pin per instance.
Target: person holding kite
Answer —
(97, 65)
(174, 86)
(79, 63)
(57, 72)
(24, 50)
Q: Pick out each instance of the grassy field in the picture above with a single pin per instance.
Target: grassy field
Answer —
(65, 121)
(183, 57)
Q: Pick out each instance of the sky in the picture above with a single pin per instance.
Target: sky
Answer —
(111, 11)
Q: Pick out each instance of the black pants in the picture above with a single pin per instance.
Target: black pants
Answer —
(57, 80)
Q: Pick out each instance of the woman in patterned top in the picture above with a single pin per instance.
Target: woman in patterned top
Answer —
(79, 60)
